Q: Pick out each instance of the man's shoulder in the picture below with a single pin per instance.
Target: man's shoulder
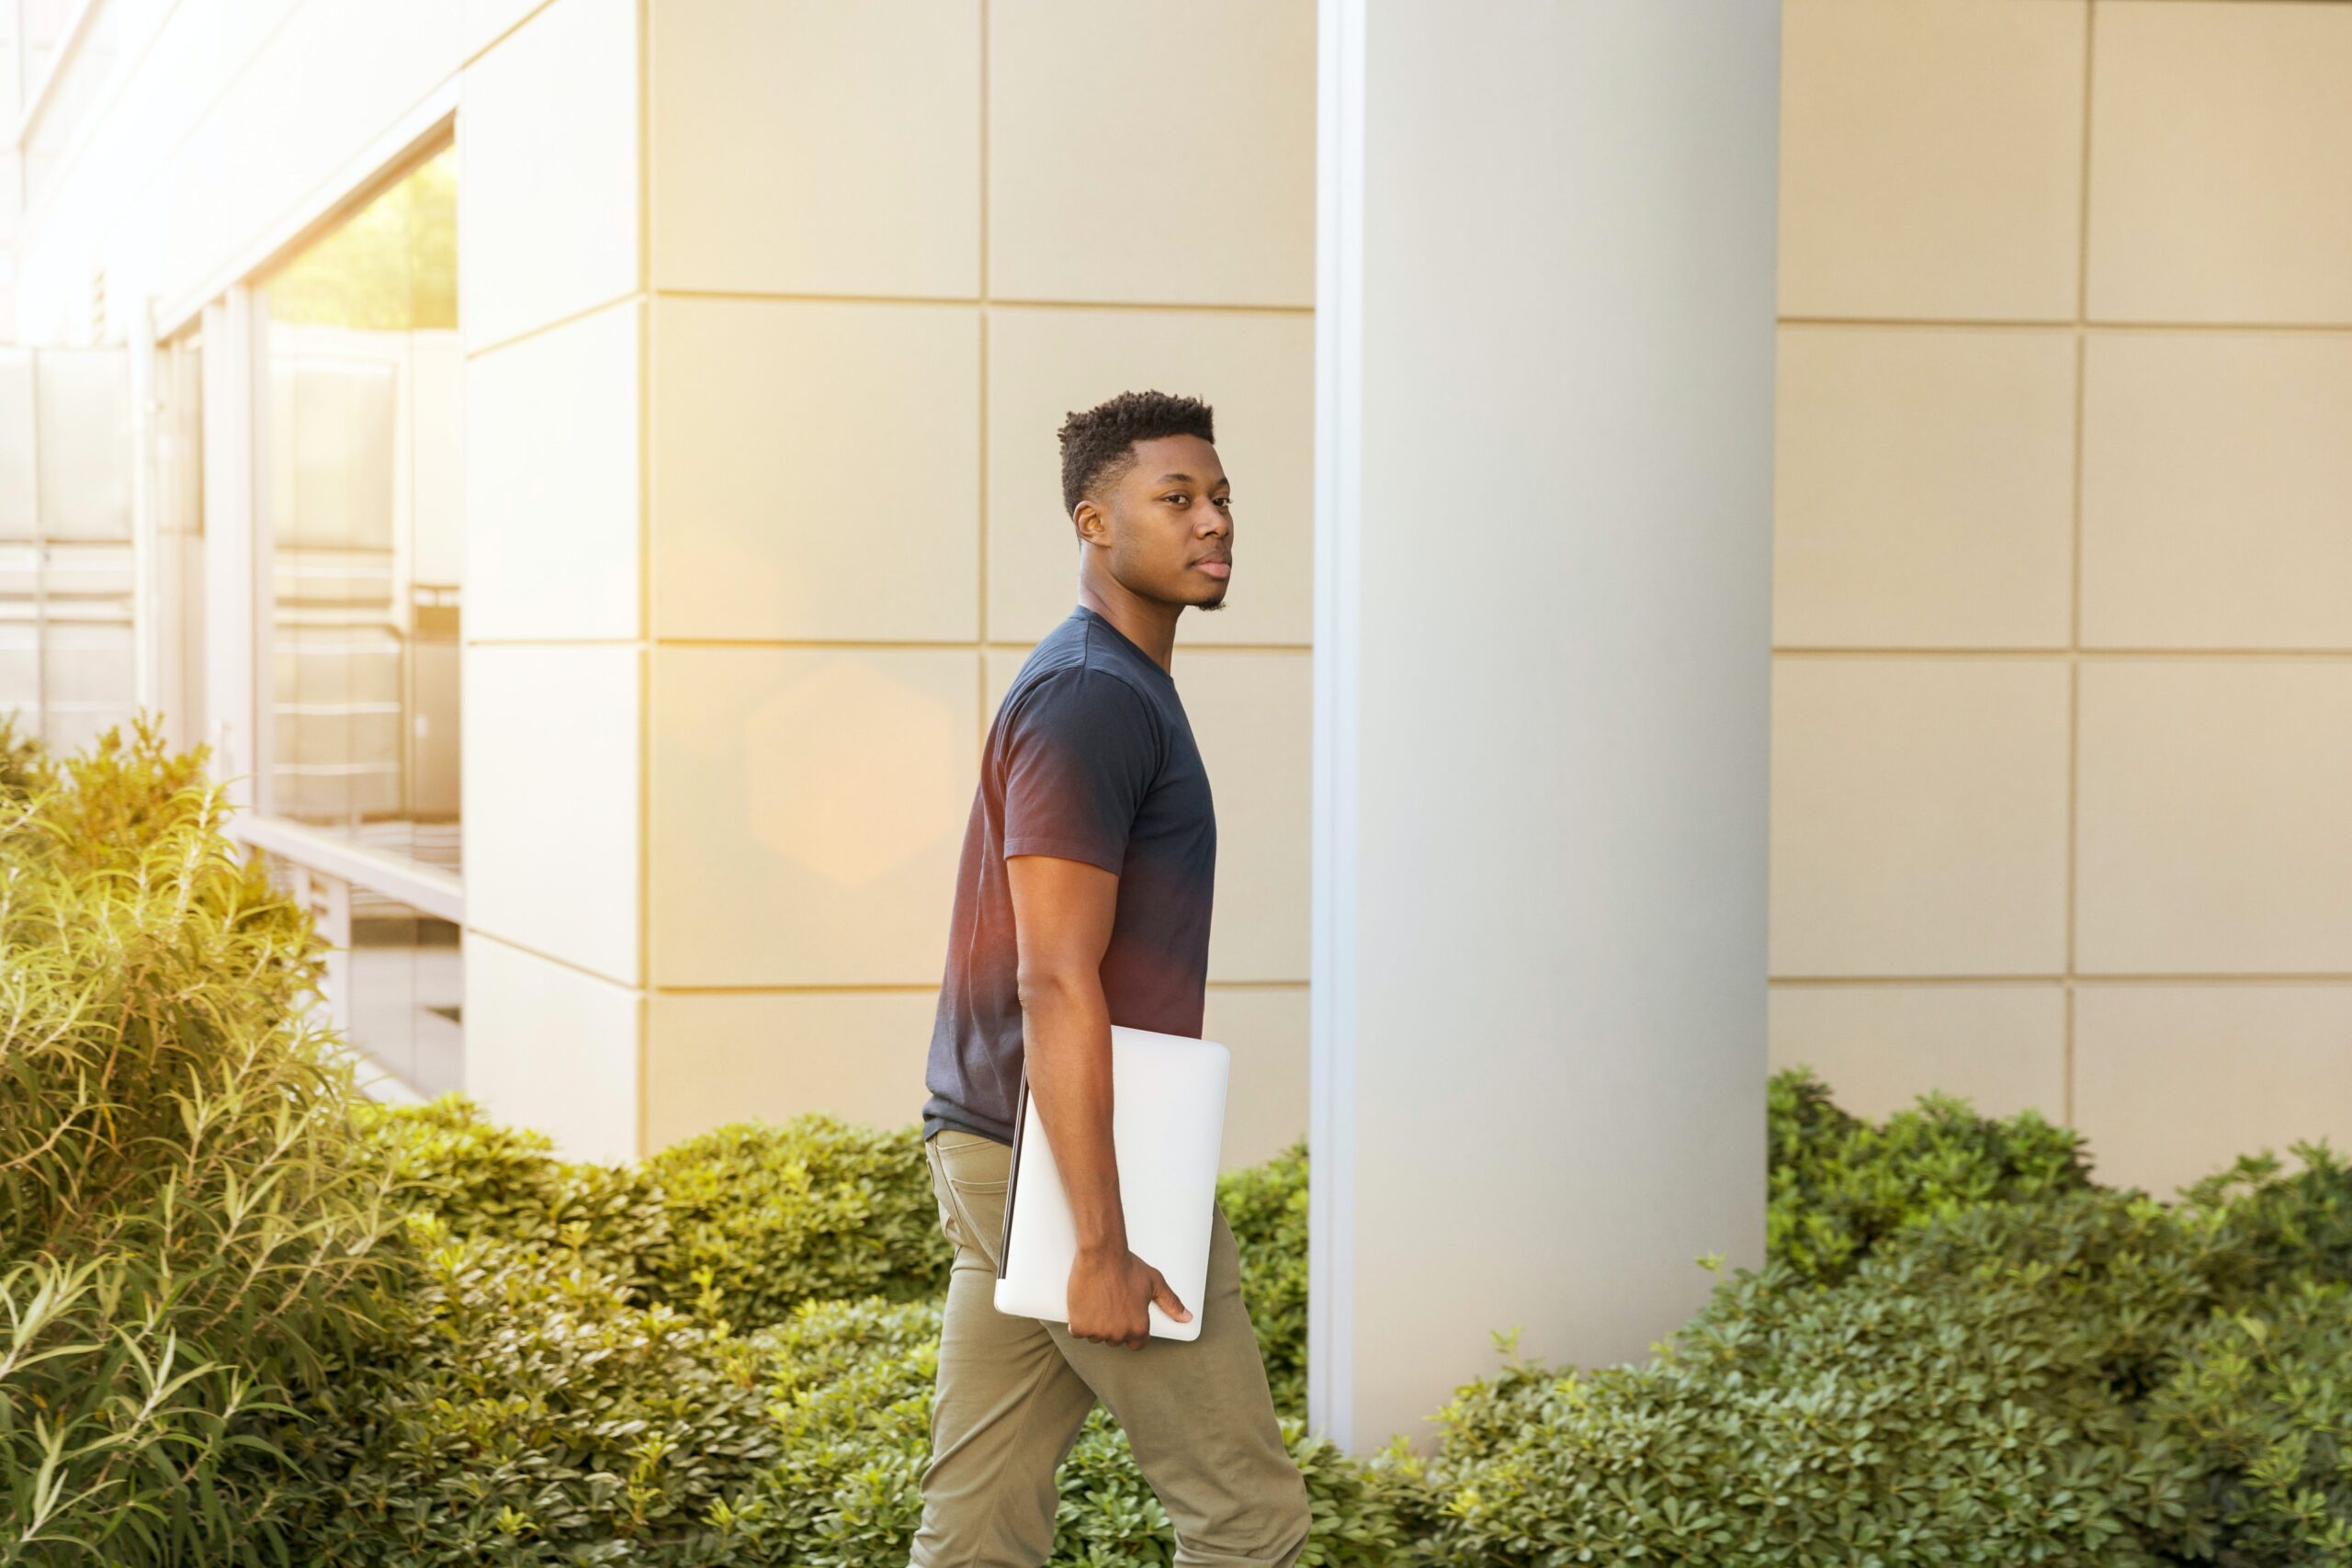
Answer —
(1077, 675)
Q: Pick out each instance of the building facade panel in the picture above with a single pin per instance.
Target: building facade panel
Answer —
(2215, 473)
(1880, 1044)
(553, 803)
(1161, 151)
(710, 1055)
(816, 470)
(2220, 190)
(1919, 817)
(553, 499)
(2175, 1080)
(2198, 275)
(802, 147)
(568, 1049)
(807, 813)
(1931, 159)
(1923, 488)
(2214, 837)
(551, 147)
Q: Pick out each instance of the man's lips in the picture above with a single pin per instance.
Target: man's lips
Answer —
(1216, 567)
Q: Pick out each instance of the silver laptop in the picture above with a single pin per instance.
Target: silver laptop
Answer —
(1168, 1133)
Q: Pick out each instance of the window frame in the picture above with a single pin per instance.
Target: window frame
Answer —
(239, 538)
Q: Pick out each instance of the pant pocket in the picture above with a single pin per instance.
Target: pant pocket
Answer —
(943, 1200)
(976, 1176)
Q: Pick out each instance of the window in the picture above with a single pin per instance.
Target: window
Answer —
(68, 657)
(358, 487)
(364, 490)
(395, 980)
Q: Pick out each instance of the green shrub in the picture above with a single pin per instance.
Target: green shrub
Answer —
(25, 766)
(2045, 1380)
(816, 1208)
(850, 1394)
(1894, 1420)
(755, 1217)
(855, 1418)
(187, 1236)
(521, 1409)
(2031, 1375)
(2286, 1227)
(489, 1182)
(254, 1317)
(547, 1320)
(1839, 1184)
(2261, 1387)
(2263, 1399)
(1266, 1205)
(531, 1414)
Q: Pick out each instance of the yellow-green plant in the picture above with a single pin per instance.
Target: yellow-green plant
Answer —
(184, 1235)
(1842, 1184)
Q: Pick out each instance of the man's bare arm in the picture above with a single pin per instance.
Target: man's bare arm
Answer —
(1062, 911)
(1061, 914)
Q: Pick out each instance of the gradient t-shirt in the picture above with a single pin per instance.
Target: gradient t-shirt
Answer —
(1090, 758)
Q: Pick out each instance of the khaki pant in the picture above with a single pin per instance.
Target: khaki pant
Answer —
(1012, 1392)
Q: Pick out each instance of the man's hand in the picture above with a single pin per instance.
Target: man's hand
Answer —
(1111, 1293)
(1062, 911)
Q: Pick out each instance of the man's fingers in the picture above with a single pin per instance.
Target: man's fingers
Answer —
(1167, 1298)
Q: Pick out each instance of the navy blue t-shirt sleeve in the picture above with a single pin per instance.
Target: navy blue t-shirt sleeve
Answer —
(1080, 751)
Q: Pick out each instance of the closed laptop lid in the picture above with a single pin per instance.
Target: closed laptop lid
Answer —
(1168, 1096)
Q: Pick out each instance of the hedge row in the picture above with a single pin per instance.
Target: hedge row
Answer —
(248, 1317)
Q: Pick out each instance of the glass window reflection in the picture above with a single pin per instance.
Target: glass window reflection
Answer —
(67, 653)
(394, 989)
(364, 494)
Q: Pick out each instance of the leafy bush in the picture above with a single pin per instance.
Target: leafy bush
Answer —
(2062, 1380)
(2285, 1229)
(187, 1236)
(521, 1409)
(855, 1426)
(1266, 1206)
(2263, 1400)
(1893, 1423)
(551, 1385)
(491, 1183)
(254, 1317)
(814, 1208)
(753, 1215)
(1839, 1184)
(531, 1414)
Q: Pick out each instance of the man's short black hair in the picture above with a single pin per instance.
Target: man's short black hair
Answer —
(1098, 445)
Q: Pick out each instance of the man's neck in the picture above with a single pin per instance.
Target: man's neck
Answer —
(1149, 626)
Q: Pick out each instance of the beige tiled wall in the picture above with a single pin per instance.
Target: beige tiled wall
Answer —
(2062, 600)
(891, 246)
(548, 189)
(554, 311)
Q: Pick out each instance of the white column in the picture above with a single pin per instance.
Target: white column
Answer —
(1545, 320)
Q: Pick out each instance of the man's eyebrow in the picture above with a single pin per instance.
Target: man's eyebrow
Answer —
(1185, 479)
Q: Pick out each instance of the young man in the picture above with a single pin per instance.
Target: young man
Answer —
(1083, 900)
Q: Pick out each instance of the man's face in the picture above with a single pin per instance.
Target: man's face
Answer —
(1169, 524)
